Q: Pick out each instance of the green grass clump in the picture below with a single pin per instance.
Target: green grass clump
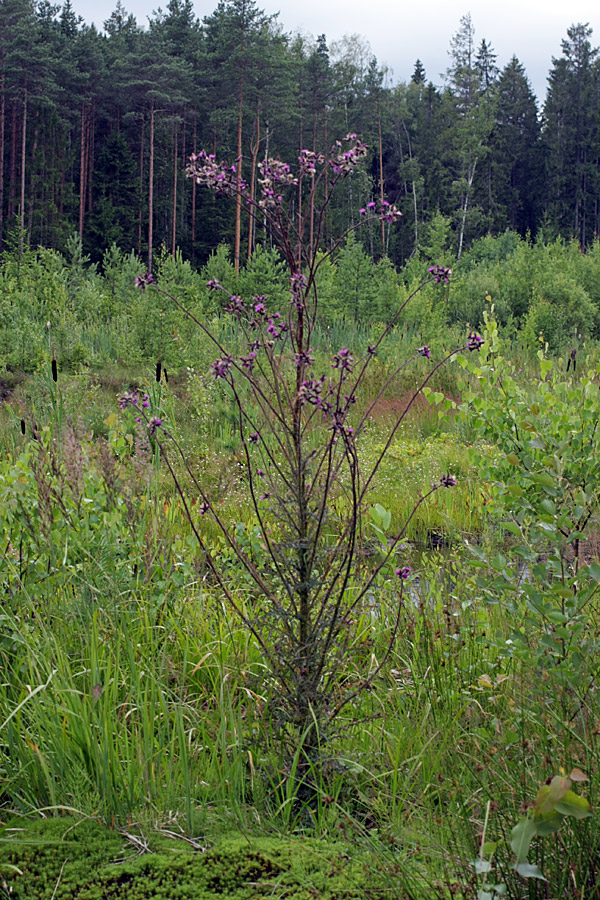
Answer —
(62, 859)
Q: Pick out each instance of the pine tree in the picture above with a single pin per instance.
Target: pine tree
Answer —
(515, 153)
(572, 137)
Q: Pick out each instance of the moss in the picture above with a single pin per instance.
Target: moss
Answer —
(62, 859)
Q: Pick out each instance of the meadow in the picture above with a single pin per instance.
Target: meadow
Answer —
(145, 750)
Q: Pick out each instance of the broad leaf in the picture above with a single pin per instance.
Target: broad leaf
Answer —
(521, 837)
(528, 870)
(548, 823)
(574, 805)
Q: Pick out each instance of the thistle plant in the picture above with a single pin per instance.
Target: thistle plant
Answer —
(300, 428)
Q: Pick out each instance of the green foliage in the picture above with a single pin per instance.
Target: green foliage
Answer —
(545, 477)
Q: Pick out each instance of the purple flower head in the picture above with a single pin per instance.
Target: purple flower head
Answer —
(346, 162)
(389, 213)
(308, 161)
(474, 341)
(144, 279)
(441, 274)
(371, 205)
(203, 508)
(248, 361)
(424, 351)
(129, 398)
(304, 358)
(236, 304)
(146, 404)
(343, 359)
(213, 284)
(254, 438)
(403, 573)
(220, 177)
(310, 392)
(259, 305)
(221, 368)
(362, 212)
(260, 473)
(448, 481)
(155, 423)
(337, 421)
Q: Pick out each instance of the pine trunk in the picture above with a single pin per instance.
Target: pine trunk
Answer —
(381, 192)
(32, 180)
(12, 177)
(175, 170)
(2, 129)
(23, 160)
(82, 171)
(238, 203)
(194, 191)
(141, 195)
(151, 186)
(254, 148)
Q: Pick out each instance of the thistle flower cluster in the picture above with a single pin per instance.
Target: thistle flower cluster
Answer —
(387, 211)
(311, 391)
(129, 398)
(343, 359)
(308, 162)
(346, 161)
(448, 481)
(144, 279)
(275, 174)
(474, 341)
(441, 274)
(218, 176)
(221, 367)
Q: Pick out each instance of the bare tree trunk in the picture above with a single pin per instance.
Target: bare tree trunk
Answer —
(141, 195)
(12, 177)
(175, 169)
(89, 156)
(238, 202)
(311, 225)
(381, 193)
(31, 180)
(151, 185)
(194, 189)
(414, 190)
(254, 148)
(470, 176)
(301, 141)
(23, 159)
(2, 131)
(326, 150)
(82, 172)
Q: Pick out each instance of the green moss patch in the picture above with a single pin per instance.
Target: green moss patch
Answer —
(61, 859)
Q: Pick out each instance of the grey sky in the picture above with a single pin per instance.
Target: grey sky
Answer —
(398, 34)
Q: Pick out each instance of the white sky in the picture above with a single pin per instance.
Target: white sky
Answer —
(399, 33)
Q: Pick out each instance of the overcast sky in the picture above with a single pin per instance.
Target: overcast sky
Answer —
(400, 33)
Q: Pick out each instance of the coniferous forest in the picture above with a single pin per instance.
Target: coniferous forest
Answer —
(96, 129)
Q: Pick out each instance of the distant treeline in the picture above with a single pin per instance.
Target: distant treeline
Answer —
(96, 129)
